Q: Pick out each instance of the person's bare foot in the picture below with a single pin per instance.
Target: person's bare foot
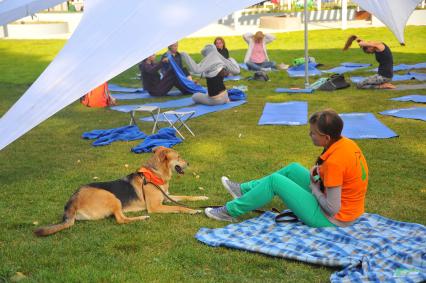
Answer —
(387, 86)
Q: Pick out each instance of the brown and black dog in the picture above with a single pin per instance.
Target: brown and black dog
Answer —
(99, 200)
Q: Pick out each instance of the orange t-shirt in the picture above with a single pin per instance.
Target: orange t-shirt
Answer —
(345, 166)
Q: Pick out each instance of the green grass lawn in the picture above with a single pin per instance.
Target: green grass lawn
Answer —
(40, 171)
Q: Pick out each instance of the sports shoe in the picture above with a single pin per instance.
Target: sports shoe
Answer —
(219, 213)
(232, 187)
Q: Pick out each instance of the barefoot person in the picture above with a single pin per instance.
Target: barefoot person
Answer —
(331, 194)
(383, 55)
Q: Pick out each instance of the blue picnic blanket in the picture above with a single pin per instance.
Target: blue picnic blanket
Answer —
(347, 67)
(199, 110)
(287, 113)
(189, 85)
(403, 67)
(413, 97)
(108, 136)
(164, 104)
(299, 70)
(373, 249)
(418, 113)
(165, 137)
(364, 126)
(117, 88)
(294, 90)
(232, 78)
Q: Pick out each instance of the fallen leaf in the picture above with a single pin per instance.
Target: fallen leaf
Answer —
(95, 178)
(197, 177)
(35, 222)
(17, 277)
(201, 188)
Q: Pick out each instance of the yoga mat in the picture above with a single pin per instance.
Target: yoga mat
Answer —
(299, 70)
(347, 67)
(373, 249)
(395, 78)
(418, 76)
(232, 78)
(404, 67)
(417, 113)
(165, 104)
(413, 97)
(410, 87)
(117, 88)
(364, 126)
(200, 110)
(141, 95)
(291, 90)
(287, 113)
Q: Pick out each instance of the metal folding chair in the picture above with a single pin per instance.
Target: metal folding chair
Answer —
(153, 110)
(182, 119)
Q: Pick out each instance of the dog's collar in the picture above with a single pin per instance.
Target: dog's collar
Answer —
(150, 176)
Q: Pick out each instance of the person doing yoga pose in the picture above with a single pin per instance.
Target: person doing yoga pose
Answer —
(214, 67)
(219, 42)
(383, 55)
(256, 57)
(331, 194)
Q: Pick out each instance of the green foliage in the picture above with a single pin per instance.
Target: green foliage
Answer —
(43, 168)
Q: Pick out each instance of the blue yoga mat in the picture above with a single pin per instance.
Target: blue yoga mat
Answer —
(189, 85)
(299, 70)
(291, 90)
(287, 113)
(404, 67)
(413, 97)
(117, 88)
(418, 76)
(364, 126)
(347, 67)
(141, 95)
(165, 104)
(373, 249)
(418, 113)
(395, 78)
(200, 110)
(232, 78)
(410, 87)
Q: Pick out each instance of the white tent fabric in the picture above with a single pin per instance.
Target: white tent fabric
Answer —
(12, 10)
(393, 13)
(111, 37)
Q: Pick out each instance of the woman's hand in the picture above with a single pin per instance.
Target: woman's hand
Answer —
(315, 187)
(314, 174)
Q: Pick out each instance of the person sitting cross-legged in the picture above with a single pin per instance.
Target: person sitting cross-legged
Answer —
(331, 194)
(256, 57)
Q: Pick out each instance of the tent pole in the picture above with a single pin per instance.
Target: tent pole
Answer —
(5, 31)
(306, 45)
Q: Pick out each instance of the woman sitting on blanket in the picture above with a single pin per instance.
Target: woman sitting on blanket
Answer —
(151, 80)
(219, 42)
(173, 51)
(214, 67)
(383, 55)
(256, 57)
(331, 194)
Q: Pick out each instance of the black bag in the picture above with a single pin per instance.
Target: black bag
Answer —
(335, 81)
(259, 76)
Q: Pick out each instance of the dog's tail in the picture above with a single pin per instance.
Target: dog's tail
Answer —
(67, 221)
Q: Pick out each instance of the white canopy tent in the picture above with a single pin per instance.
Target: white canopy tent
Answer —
(12, 10)
(112, 37)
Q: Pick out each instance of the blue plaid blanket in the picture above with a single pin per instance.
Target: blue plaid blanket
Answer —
(374, 249)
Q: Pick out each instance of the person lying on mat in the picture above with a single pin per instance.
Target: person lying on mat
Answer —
(173, 50)
(256, 57)
(383, 55)
(214, 67)
(219, 42)
(331, 194)
(151, 80)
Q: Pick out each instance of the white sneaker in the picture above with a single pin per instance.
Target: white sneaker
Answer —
(232, 187)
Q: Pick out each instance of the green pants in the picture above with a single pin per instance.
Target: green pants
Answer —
(291, 184)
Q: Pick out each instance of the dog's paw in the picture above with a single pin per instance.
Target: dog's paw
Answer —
(195, 211)
(203, 198)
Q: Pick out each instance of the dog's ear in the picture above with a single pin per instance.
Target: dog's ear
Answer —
(158, 148)
(161, 152)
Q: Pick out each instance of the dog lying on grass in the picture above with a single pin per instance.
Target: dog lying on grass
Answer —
(135, 192)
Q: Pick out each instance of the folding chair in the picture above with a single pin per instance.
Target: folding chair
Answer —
(181, 119)
(153, 110)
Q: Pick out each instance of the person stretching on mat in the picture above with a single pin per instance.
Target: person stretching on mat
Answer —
(214, 67)
(173, 50)
(151, 80)
(219, 42)
(256, 57)
(383, 55)
(331, 194)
